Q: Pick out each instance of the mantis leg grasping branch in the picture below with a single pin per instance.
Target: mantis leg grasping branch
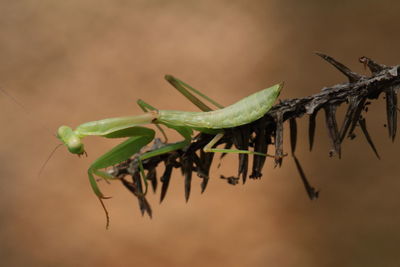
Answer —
(244, 111)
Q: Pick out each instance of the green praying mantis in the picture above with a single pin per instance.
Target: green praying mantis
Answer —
(207, 121)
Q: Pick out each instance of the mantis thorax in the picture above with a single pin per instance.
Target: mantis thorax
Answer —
(71, 139)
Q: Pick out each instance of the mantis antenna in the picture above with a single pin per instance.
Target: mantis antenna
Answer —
(48, 158)
(22, 107)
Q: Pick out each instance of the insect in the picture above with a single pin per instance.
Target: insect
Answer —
(208, 121)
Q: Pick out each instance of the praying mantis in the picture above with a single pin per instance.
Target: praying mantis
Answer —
(207, 121)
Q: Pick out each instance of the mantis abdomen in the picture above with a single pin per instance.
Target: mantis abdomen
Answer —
(242, 112)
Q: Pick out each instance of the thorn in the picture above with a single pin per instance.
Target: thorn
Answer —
(311, 128)
(278, 139)
(352, 76)
(311, 191)
(331, 124)
(204, 184)
(391, 112)
(373, 66)
(363, 126)
(293, 134)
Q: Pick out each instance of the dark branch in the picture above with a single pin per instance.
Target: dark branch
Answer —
(268, 131)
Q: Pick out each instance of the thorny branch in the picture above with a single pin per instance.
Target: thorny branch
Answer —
(268, 131)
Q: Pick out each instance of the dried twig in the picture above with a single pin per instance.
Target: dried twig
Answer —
(268, 131)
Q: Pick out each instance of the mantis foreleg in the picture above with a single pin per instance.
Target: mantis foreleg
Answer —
(209, 121)
(140, 137)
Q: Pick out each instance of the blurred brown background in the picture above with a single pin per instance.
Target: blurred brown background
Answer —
(70, 62)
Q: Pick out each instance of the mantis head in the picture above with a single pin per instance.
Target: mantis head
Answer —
(71, 140)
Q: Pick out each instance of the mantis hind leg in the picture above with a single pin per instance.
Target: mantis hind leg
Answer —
(208, 148)
(185, 89)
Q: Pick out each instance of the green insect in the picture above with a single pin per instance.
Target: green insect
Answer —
(242, 112)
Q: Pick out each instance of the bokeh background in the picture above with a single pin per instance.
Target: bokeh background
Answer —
(69, 62)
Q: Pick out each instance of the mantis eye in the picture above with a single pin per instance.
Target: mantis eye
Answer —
(71, 140)
(63, 132)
